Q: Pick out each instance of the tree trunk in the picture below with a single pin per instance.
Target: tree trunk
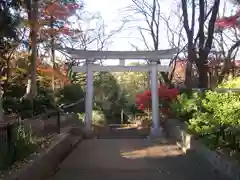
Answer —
(227, 65)
(33, 57)
(188, 68)
(188, 74)
(1, 107)
(227, 62)
(53, 55)
(8, 74)
(165, 78)
(203, 74)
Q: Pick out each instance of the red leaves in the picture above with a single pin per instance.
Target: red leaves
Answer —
(148, 93)
(165, 93)
(143, 100)
(61, 12)
(56, 9)
(66, 30)
(73, 6)
(227, 22)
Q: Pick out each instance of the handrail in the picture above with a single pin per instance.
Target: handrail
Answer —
(58, 110)
(61, 109)
(71, 105)
(216, 89)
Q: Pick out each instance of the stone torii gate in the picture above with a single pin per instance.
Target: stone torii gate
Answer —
(153, 67)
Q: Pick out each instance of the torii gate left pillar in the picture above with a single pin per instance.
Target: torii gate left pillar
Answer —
(89, 96)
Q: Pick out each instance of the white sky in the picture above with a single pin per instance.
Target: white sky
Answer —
(112, 14)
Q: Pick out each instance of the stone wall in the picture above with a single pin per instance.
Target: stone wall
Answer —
(186, 141)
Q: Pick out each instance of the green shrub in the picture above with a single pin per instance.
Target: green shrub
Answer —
(39, 105)
(186, 104)
(45, 101)
(186, 91)
(219, 125)
(233, 83)
(71, 94)
(214, 117)
(21, 145)
(98, 117)
(202, 124)
(224, 106)
(11, 105)
(26, 108)
(16, 91)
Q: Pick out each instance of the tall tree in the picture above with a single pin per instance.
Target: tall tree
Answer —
(56, 18)
(200, 43)
(46, 21)
(231, 25)
(9, 36)
(9, 21)
(150, 13)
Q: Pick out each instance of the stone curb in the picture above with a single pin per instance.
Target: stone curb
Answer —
(45, 164)
(187, 143)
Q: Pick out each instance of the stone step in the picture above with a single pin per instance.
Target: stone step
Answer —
(120, 137)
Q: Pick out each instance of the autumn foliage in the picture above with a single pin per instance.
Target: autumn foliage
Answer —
(166, 95)
(52, 23)
(59, 73)
(58, 12)
(227, 22)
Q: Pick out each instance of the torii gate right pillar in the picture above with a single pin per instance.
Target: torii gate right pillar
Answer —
(156, 129)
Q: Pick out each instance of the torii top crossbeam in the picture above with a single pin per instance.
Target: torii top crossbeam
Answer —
(148, 55)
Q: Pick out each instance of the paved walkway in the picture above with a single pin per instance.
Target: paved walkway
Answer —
(132, 159)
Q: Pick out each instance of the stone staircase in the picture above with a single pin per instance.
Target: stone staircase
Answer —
(119, 132)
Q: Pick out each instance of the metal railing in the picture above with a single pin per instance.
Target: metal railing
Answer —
(6, 131)
(7, 128)
(216, 89)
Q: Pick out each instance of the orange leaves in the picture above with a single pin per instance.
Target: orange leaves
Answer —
(50, 31)
(56, 9)
(49, 71)
(44, 22)
(53, 13)
(38, 61)
(67, 31)
(55, 31)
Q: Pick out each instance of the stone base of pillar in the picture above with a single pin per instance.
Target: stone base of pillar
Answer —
(88, 133)
(155, 133)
